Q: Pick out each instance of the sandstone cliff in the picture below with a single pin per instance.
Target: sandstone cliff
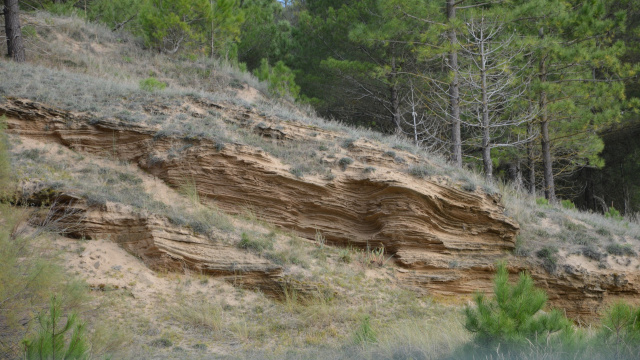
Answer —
(443, 239)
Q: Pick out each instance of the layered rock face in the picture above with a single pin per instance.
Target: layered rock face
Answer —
(163, 246)
(443, 239)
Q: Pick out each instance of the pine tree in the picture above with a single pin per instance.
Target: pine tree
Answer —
(13, 31)
(52, 340)
(265, 34)
(365, 58)
(513, 316)
(579, 86)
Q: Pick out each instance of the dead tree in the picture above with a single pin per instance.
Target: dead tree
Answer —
(493, 87)
(15, 43)
(425, 129)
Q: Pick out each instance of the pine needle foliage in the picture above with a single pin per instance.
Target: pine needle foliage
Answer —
(514, 315)
(50, 342)
(620, 331)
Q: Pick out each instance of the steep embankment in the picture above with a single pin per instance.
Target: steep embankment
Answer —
(444, 239)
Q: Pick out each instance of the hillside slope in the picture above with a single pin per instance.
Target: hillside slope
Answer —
(221, 181)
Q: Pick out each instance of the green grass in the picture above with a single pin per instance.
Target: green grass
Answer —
(256, 242)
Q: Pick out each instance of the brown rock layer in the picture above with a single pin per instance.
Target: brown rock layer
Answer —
(447, 238)
(163, 246)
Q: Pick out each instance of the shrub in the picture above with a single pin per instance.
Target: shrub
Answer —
(621, 249)
(548, 256)
(593, 253)
(470, 187)
(620, 330)
(345, 162)
(399, 160)
(345, 255)
(613, 214)
(152, 84)
(347, 143)
(567, 204)
(52, 341)
(281, 78)
(257, 245)
(162, 342)
(419, 171)
(299, 170)
(542, 201)
(513, 317)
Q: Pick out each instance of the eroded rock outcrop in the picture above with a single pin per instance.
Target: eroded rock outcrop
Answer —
(444, 239)
(163, 246)
(404, 214)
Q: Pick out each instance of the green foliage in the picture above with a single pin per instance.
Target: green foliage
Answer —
(419, 171)
(152, 84)
(620, 330)
(621, 249)
(265, 34)
(281, 79)
(345, 162)
(567, 204)
(224, 28)
(549, 258)
(168, 25)
(513, 317)
(61, 8)
(542, 201)
(117, 14)
(614, 214)
(52, 341)
(28, 274)
(257, 244)
(364, 333)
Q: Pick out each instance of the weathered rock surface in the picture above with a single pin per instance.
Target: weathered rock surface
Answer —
(447, 238)
(163, 246)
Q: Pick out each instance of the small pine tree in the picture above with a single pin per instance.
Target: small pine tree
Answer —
(50, 340)
(513, 316)
(621, 330)
(281, 79)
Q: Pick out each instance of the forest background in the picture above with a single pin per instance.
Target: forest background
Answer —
(540, 93)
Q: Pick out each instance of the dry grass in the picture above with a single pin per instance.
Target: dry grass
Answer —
(102, 181)
(65, 49)
(212, 319)
(571, 231)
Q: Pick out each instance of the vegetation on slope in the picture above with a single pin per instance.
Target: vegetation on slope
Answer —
(371, 317)
(116, 94)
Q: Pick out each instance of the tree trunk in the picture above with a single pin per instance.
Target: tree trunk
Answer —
(395, 99)
(454, 91)
(15, 44)
(549, 186)
(547, 164)
(531, 161)
(515, 174)
(589, 198)
(486, 140)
